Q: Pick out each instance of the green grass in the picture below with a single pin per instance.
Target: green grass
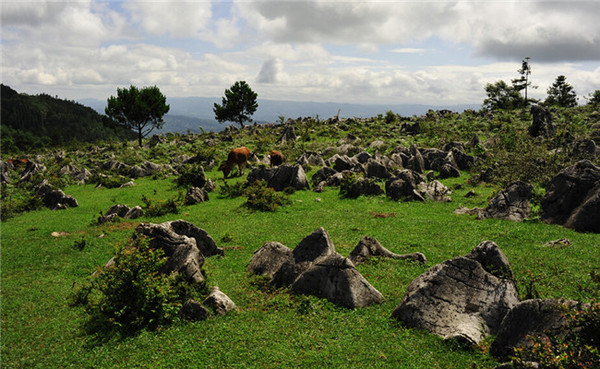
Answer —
(272, 329)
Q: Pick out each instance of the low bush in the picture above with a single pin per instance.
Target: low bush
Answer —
(157, 208)
(263, 198)
(191, 176)
(132, 293)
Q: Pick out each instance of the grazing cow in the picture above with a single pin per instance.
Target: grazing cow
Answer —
(275, 157)
(237, 157)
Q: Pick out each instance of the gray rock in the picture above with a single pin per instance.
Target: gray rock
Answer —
(542, 122)
(195, 195)
(54, 198)
(573, 198)
(219, 302)
(435, 191)
(134, 213)
(362, 186)
(268, 259)
(457, 299)
(281, 177)
(376, 169)
(194, 311)
(369, 246)
(314, 267)
(510, 204)
(533, 318)
(336, 279)
(322, 175)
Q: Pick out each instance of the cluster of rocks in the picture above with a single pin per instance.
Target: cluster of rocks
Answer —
(135, 171)
(471, 297)
(54, 198)
(120, 211)
(280, 178)
(26, 170)
(314, 267)
(186, 246)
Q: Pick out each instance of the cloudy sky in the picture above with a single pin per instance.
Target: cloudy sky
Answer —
(429, 52)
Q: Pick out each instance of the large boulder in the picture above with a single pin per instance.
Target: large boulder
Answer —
(362, 186)
(120, 211)
(196, 195)
(435, 191)
(314, 267)
(459, 298)
(404, 185)
(530, 318)
(573, 198)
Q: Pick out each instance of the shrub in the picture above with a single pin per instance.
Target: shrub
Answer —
(157, 208)
(232, 191)
(263, 198)
(16, 200)
(133, 293)
(191, 176)
(109, 181)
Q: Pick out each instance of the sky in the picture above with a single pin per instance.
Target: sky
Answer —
(388, 52)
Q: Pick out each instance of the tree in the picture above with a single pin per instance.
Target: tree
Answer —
(561, 93)
(140, 110)
(523, 82)
(238, 104)
(502, 96)
(594, 98)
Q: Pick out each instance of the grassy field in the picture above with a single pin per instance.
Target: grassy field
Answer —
(271, 329)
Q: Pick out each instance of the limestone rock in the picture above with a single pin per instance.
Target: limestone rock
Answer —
(457, 299)
(219, 302)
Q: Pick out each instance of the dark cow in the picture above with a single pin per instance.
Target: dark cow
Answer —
(276, 158)
(237, 157)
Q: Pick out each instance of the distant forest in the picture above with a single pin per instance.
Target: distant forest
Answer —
(42, 120)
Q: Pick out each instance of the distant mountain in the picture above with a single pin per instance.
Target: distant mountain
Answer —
(191, 113)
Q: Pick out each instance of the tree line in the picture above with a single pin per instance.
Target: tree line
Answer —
(501, 95)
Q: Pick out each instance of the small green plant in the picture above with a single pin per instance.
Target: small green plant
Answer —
(231, 191)
(112, 181)
(79, 245)
(157, 208)
(263, 198)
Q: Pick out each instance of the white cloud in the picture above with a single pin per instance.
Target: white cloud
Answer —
(173, 17)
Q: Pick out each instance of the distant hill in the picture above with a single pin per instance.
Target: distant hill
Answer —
(32, 121)
(191, 113)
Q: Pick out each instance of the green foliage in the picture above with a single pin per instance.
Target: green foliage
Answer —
(157, 208)
(191, 176)
(33, 122)
(349, 180)
(502, 96)
(561, 94)
(263, 198)
(16, 200)
(390, 117)
(140, 110)
(132, 293)
(579, 349)
(238, 105)
(109, 181)
(232, 191)
(594, 98)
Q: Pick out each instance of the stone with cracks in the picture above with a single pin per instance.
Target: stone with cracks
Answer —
(336, 279)
(281, 177)
(54, 198)
(435, 191)
(194, 311)
(369, 246)
(542, 122)
(268, 259)
(458, 299)
(219, 302)
(196, 195)
(573, 198)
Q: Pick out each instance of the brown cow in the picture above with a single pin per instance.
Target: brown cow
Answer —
(237, 157)
(275, 157)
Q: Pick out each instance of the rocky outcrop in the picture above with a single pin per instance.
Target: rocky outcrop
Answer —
(542, 122)
(196, 195)
(573, 198)
(54, 198)
(314, 267)
(460, 298)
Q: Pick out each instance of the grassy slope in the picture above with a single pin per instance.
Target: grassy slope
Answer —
(270, 329)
